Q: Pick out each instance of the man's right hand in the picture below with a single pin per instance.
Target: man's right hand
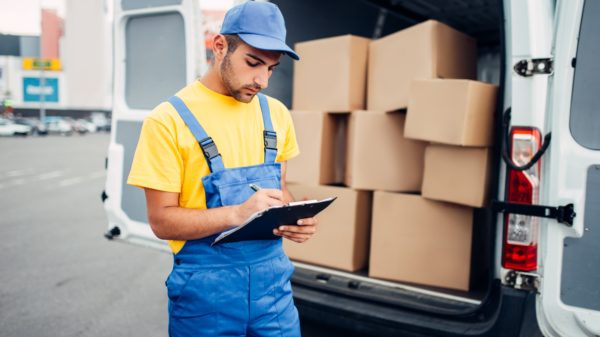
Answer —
(259, 201)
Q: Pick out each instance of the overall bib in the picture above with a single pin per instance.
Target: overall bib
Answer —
(232, 289)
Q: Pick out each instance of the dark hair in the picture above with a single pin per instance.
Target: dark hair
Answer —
(233, 41)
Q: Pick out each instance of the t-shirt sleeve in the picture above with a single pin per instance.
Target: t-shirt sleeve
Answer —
(290, 144)
(157, 163)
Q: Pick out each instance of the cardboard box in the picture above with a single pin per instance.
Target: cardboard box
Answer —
(379, 157)
(332, 75)
(342, 239)
(427, 50)
(420, 241)
(457, 174)
(462, 112)
(322, 141)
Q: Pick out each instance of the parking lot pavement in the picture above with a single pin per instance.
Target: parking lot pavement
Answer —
(58, 275)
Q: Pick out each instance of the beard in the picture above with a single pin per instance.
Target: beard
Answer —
(234, 91)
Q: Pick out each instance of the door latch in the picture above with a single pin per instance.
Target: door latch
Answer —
(563, 214)
(522, 280)
(530, 67)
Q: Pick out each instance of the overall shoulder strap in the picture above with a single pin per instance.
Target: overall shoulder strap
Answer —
(208, 146)
(270, 136)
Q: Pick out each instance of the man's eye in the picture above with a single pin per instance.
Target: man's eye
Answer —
(252, 64)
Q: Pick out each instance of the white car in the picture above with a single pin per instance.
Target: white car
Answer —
(87, 125)
(10, 128)
(58, 125)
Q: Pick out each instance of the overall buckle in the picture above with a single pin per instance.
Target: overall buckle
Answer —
(209, 148)
(270, 140)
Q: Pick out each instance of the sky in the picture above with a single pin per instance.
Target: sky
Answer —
(22, 17)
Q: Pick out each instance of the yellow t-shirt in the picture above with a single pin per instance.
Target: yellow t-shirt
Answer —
(168, 157)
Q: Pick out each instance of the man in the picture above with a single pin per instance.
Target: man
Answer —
(197, 155)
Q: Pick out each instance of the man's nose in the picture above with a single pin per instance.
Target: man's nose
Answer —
(262, 79)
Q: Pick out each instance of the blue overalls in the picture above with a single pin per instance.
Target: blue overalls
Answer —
(232, 289)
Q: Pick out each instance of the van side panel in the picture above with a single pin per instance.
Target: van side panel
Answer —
(580, 276)
(136, 4)
(133, 201)
(585, 120)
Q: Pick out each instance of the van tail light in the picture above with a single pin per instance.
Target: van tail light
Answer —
(519, 251)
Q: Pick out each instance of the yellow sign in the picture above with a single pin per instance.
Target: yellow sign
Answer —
(31, 63)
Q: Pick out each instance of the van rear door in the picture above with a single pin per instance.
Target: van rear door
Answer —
(158, 48)
(569, 293)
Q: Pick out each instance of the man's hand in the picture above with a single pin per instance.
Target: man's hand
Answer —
(259, 201)
(301, 232)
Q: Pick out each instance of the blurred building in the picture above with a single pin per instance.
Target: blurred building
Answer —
(80, 43)
(87, 55)
(211, 24)
(52, 31)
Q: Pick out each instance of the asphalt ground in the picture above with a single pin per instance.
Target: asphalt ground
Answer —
(58, 275)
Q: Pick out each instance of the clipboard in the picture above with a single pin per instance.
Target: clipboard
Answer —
(260, 225)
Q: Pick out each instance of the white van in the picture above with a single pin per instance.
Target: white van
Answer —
(538, 251)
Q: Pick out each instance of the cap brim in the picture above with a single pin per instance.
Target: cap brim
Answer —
(268, 43)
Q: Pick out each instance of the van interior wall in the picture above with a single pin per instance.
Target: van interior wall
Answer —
(314, 19)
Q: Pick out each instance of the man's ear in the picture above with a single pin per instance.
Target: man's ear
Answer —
(219, 47)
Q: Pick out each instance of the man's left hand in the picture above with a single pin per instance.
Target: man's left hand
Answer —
(301, 232)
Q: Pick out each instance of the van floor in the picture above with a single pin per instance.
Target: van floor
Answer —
(359, 286)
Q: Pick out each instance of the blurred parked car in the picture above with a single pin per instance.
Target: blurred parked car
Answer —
(76, 125)
(101, 121)
(37, 127)
(86, 125)
(58, 125)
(10, 128)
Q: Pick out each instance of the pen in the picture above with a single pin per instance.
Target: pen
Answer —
(254, 187)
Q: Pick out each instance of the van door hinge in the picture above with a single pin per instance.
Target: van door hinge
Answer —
(521, 280)
(530, 67)
(563, 214)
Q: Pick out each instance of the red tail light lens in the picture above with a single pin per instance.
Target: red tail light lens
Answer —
(521, 231)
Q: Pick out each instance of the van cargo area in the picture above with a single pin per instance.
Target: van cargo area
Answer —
(459, 137)
(374, 305)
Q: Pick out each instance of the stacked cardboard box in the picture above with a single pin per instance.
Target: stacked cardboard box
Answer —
(462, 116)
(379, 156)
(436, 236)
(321, 138)
(420, 241)
(329, 83)
(332, 74)
(458, 175)
(427, 50)
(412, 239)
(342, 239)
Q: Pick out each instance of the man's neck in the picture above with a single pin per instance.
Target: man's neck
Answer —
(213, 81)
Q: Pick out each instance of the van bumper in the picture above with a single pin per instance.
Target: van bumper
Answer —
(506, 312)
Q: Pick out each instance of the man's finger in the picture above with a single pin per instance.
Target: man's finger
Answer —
(299, 229)
(273, 193)
(296, 236)
(307, 221)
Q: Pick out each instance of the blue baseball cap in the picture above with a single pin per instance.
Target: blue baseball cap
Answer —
(259, 24)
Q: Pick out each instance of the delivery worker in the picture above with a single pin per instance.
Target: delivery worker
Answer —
(198, 154)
